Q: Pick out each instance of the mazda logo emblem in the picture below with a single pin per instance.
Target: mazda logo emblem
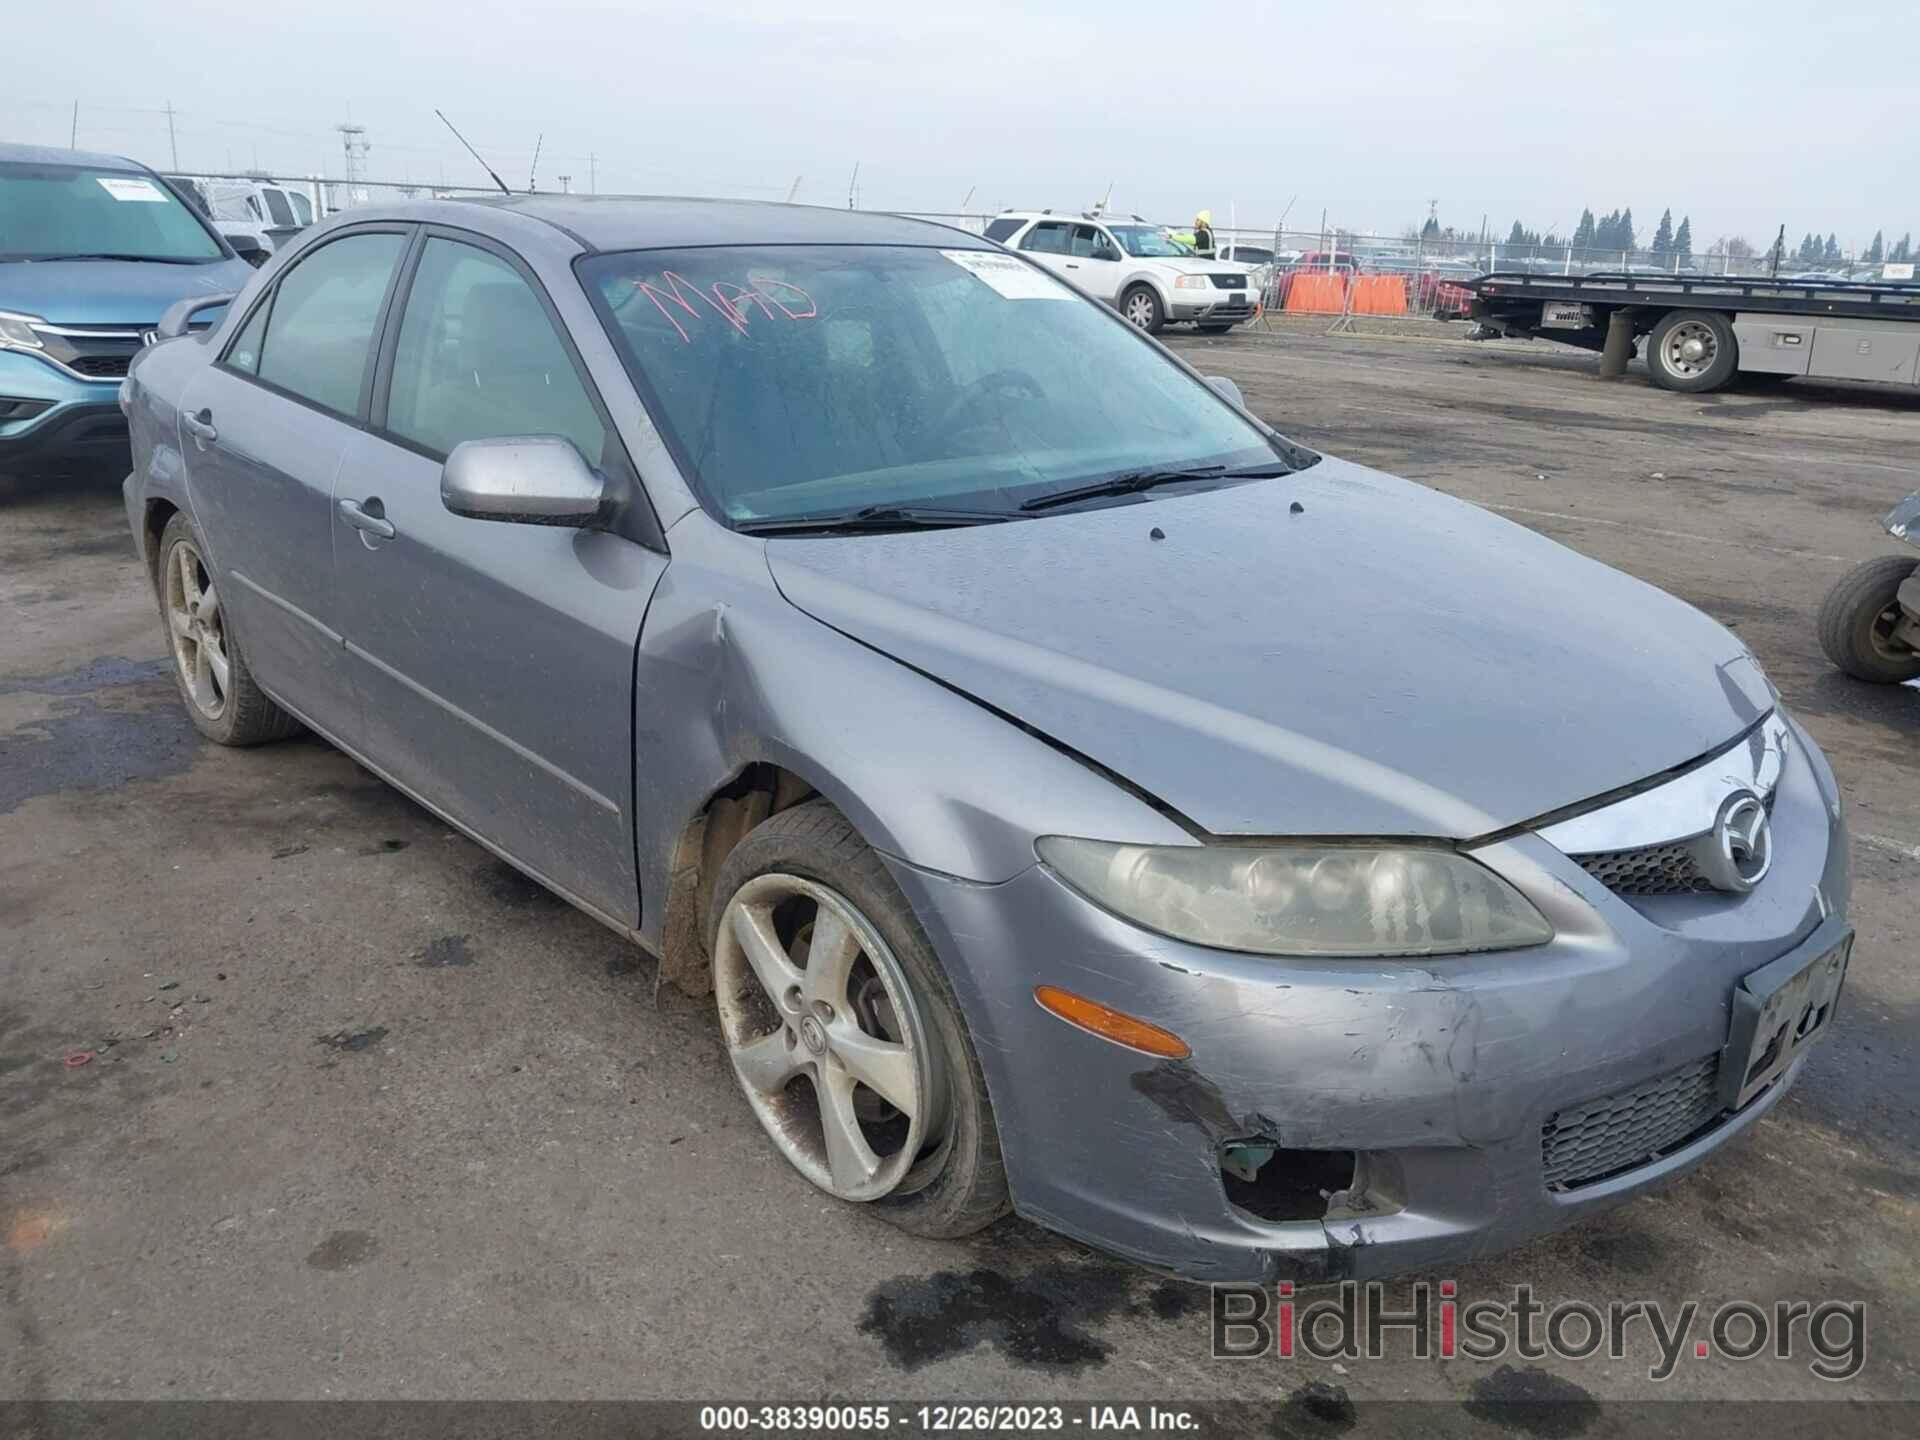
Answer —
(1738, 852)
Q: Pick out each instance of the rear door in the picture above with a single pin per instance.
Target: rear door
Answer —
(494, 661)
(263, 430)
(1050, 243)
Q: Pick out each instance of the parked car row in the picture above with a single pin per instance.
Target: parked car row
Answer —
(255, 210)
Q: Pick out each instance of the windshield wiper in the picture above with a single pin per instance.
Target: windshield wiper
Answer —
(123, 255)
(874, 517)
(1131, 482)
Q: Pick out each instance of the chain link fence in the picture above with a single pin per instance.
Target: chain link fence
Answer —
(1331, 271)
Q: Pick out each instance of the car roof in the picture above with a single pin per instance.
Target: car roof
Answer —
(1078, 217)
(47, 155)
(606, 222)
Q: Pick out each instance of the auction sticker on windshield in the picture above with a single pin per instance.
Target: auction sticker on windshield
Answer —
(1008, 276)
(130, 188)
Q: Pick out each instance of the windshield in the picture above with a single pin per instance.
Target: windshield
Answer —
(800, 381)
(1147, 241)
(50, 211)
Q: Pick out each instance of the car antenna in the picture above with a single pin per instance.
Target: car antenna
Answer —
(475, 153)
(534, 169)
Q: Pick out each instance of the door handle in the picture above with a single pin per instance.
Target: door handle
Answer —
(200, 427)
(354, 513)
(1072, 266)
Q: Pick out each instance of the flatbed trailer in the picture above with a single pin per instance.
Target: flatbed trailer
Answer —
(1702, 331)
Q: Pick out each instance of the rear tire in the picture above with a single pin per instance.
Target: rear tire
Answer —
(798, 867)
(1140, 307)
(215, 684)
(1857, 618)
(1692, 351)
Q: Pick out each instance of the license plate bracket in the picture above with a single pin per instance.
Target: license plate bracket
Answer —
(1778, 1011)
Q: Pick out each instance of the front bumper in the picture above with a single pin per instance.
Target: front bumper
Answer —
(82, 426)
(1216, 307)
(1444, 1073)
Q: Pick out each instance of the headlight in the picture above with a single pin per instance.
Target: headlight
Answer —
(1329, 900)
(1191, 282)
(16, 331)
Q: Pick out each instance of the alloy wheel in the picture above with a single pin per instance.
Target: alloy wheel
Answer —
(826, 1041)
(1140, 309)
(198, 630)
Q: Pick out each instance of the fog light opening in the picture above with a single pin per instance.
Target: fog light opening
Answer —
(1272, 1183)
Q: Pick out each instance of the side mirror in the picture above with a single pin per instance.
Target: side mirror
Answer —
(179, 315)
(524, 480)
(249, 249)
(1227, 388)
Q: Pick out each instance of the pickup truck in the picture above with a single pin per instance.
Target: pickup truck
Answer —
(1702, 331)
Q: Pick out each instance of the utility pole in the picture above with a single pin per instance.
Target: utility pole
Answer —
(853, 185)
(794, 189)
(566, 184)
(172, 143)
(73, 136)
(593, 174)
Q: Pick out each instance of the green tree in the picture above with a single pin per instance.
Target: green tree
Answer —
(1623, 238)
(1430, 230)
(1877, 251)
(1663, 234)
(1683, 238)
(1583, 232)
(1903, 251)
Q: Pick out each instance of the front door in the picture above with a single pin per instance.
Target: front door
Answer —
(494, 661)
(263, 431)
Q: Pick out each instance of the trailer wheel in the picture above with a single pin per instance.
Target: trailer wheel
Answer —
(1859, 618)
(1692, 351)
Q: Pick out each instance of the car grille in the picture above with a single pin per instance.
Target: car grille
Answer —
(1650, 870)
(101, 367)
(1230, 282)
(99, 355)
(1664, 869)
(1600, 1138)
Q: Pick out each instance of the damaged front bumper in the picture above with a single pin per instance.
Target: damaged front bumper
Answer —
(1392, 1114)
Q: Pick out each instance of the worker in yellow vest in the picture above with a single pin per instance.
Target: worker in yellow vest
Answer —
(1201, 236)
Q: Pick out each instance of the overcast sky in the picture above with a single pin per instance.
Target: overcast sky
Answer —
(1743, 116)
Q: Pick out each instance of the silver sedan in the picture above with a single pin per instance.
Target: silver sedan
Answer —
(1077, 798)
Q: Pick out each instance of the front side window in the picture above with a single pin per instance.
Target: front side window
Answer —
(478, 358)
(1149, 242)
(277, 207)
(51, 212)
(302, 208)
(319, 339)
(795, 381)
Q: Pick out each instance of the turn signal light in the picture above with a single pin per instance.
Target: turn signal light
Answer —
(1111, 1024)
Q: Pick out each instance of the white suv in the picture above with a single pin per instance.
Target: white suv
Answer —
(1153, 281)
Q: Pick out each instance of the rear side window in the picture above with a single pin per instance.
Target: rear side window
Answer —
(1050, 237)
(479, 358)
(302, 208)
(277, 207)
(319, 339)
(1003, 229)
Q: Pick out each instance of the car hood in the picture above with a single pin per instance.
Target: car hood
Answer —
(111, 292)
(1387, 661)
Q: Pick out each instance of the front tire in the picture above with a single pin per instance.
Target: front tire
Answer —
(215, 684)
(1692, 351)
(1141, 308)
(844, 1032)
(1858, 618)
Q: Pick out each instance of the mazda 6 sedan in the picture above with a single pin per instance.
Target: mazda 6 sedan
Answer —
(1077, 798)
